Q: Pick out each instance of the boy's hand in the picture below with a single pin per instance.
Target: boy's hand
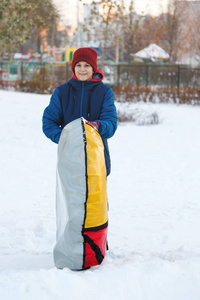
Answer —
(95, 125)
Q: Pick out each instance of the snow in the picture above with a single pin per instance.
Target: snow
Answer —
(154, 215)
(152, 51)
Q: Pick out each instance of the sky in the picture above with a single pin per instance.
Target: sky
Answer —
(68, 8)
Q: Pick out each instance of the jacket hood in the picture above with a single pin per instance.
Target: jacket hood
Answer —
(98, 76)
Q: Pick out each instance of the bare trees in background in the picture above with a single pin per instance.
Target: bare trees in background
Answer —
(122, 32)
(103, 26)
(113, 25)
(177, 30)
(191, 25)
(180, 27)
(195, 38)
(174, 33)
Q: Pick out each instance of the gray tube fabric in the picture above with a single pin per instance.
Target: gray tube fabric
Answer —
(70, 197)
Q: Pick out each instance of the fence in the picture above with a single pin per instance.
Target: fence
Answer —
(153, 75)
(121, 74)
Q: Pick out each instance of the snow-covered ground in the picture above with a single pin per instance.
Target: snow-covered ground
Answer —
(154, 217)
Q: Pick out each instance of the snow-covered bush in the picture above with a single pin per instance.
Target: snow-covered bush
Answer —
(140, 113)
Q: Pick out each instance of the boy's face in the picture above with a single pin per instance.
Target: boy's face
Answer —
(83, 71)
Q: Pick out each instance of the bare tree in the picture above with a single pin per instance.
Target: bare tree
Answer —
(131, 31)
(191, 24)
(113, 27)
(174, 34)
(99, 25)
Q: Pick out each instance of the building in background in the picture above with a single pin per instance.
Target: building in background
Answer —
(153, 53)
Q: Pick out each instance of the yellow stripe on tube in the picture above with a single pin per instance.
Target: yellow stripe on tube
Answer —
(96, 206)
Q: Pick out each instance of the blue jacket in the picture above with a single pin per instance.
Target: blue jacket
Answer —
(92, 100)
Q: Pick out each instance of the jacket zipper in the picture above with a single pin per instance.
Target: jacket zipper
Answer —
(81, 108)
(74, 102)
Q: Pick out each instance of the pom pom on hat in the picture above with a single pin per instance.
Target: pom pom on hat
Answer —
(85, 54)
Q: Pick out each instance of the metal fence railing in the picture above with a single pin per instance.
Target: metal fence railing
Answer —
(115, 74)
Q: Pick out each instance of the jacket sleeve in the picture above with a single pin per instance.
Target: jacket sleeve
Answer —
(52, 118)
(108, 116)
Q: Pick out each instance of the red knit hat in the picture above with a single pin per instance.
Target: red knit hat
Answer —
(85, 54)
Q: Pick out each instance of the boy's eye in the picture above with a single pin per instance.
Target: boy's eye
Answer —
(84, 66)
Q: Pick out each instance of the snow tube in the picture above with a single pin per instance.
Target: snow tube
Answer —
(81, 198)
